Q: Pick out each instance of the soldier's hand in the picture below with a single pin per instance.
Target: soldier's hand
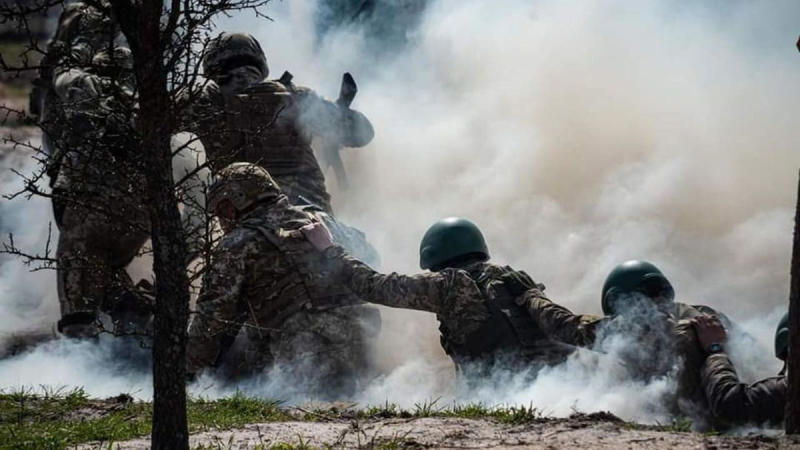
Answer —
(709, 331)
(319, 236)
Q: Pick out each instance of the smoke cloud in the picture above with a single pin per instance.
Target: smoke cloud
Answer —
(577, 135)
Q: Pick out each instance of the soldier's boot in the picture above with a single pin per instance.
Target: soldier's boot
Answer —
(79, 325)
(132, 311)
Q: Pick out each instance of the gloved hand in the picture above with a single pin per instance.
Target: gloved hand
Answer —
(319, 235)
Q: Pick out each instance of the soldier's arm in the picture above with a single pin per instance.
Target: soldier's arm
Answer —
(424, 292)
(737, 403)
(331, 122)
(76, 85)
(216, 311)
(559, 322)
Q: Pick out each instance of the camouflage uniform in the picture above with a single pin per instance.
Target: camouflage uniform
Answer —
(737, 403)
(659, 352)
(475, 305)
(82, 31)
(98, 199)
(241, 116)
(267, 279)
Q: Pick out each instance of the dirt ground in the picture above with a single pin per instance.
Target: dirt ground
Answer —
(595, 431)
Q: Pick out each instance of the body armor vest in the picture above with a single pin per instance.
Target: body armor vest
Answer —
(263, 127)
(309, 286)
(509, 336)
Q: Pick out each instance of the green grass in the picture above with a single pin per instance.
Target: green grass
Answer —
(55, 419)
(512, 415)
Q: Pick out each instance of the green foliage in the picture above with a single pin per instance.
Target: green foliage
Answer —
(678, 425)
(231, 412)
(55, 418)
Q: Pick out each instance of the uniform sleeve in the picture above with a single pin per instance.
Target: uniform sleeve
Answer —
(75, 85)
(330, 122)
(738, 403)
(431, 292)
(560, 323)
(692, 357)
(216, 311)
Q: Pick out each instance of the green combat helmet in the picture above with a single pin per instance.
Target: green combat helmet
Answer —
(634, 276)
(782, 338)
(451, 240)
(231, 50)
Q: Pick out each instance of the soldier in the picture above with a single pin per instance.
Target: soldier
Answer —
(83, 30)
(98, 198)
(624, 290)
(730, 400)
(476, 302)
(86, 105)
(266, 278)
(241, 116)
(638, 304)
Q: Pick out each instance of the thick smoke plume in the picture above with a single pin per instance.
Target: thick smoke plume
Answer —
(577, 135)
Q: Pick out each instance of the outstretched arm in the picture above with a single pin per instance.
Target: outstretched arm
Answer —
(333, 123)
(431, 292)
(559, 322)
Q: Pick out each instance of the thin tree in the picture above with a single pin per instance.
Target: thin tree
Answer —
(793, 399)
(167, 40)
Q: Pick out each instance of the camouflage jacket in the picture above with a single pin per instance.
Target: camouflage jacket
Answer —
(678, 347)
(470, 323)
(737, 403)
(272, 124)
(262, 272)
(82, 31)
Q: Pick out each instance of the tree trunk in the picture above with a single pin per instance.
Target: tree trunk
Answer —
(141, 22)
(793, 398)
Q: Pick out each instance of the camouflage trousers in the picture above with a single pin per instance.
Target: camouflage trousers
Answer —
(325, 353)
(94, 247)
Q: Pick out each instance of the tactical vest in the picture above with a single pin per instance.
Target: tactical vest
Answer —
(308, 286)
(262, 127)
(509, 335)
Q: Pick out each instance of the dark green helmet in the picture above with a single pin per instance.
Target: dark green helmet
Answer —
(450, 240)
(231, 50)
(782, 338)
(635, 276)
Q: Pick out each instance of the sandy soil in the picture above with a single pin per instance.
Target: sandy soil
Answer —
(596, 431)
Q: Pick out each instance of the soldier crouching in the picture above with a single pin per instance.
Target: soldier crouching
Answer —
(266, 279)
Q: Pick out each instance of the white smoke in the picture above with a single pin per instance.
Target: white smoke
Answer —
(577, 135)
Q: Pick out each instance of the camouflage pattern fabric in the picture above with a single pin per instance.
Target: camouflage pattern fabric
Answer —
(82, 31)
(247, 119)
(737, 403)
(656, 352)
(451, 294)
(284, 303)
(462, 309)
(98, 201)
(560, 323)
